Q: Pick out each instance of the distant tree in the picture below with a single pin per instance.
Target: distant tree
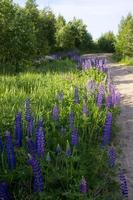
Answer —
(124, 41)
(106, 43)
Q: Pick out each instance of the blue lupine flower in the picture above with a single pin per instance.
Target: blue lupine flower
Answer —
(18, 130)
(74, 137)
(123, 184)
(100, 96)
(38, 182)
(55, 113)
(58, 149)
(68, 149)
(1, 144)
(111, 157)
(31, 147)
(109, 101)
(107, 130)
(76, 95)
(85, 109)
(83, 186)
(30, 128)
(48, 158)
(40, 124)
(4, 192)
(40, 142)
(71, 119)
(27, 110)
(10, 151)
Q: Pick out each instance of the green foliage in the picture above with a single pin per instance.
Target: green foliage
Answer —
(124, 42)
(106, 43)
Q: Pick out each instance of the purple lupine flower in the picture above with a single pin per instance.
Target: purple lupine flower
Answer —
(10, 151)
(40, 124)
(58, 149)
(83, 186)
(107, 130)
(31, 147)
(63, 130)
(1, 144)
(38, 182)
(111, 157)
(48, 158)
(55, 113)
(18, 130)
(117, 98)
(85, 109)
(68, 149)
(76, 95)
(74, 137)
(123, 184)
(27, 110)
(108, 101)
(4, 192)
(40, 142)
(71, 119)
(30, 127)
(100, 96)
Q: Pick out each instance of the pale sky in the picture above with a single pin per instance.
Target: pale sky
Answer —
(99, 15)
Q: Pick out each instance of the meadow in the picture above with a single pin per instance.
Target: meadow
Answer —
(57, 124)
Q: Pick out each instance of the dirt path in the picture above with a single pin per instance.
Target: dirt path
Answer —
(123, 79)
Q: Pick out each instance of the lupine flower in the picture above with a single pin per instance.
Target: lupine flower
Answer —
(27, 110)
(74, 137)
(100, 96)
(83, 186)
(1, 144)
(123, 184)
(40, 124)
(111, 157)
(91, 86)
(85, 109)
(76, 95)
(48, 158)
(107, 130)
(58, 149)
(71, 119)
(55, 113)
(30, 128)
(117, 98)
(108, 101)
(31, 147)
(18, 130)
(38, 182)
(10, 151)
(68, 149)
(63, 130)
(40, 142)
(4, 193)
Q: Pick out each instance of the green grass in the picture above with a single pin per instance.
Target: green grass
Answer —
(62, 176)
(127, 61)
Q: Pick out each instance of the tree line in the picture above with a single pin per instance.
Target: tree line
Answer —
(27, 33)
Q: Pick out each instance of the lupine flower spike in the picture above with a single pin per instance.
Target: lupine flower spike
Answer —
(100, 96)
(123, 184)
(4, 193)
(74, 137)
(111, 157)
(58, 149)
(38, 182)
(83, 186)
(107, 130)
(27, 110)
(31, 147)
(10, 151)
(48, 158)
(68, 149)
(76, 95)
(55, 113)
(40, 142)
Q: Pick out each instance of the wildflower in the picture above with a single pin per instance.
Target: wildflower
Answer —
(74, 137)
(4, 193)
(38, 182)
(76, 95)
(71, 119)
(108, 101)
(48, 158)
(107, 130)
(27, 110)
(55, 113)
(112, 157)
(100, 96)
(30, 126)
(40, 124)
(85, 109)
(83, 186)
(31, 147)
(58, 149)
(123, 184)
(68, 149)
(10, 151)
(40, 142)
(18, 130)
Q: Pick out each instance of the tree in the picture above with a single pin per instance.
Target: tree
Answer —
(124, 42)
(106, 43)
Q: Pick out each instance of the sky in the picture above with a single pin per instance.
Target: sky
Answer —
(100, 16)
